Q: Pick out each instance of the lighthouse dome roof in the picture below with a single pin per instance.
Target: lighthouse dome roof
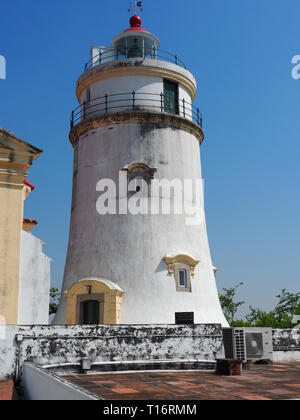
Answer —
(136, 30)
(135, 24)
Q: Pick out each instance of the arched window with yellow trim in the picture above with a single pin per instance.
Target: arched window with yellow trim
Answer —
(182, 267)
(139, 179)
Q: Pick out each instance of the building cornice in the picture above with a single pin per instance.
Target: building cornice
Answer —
(12, 178)
(17, 146)
(16, 155)
(140, 117)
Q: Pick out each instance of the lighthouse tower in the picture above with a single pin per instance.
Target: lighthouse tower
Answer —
(138, 249)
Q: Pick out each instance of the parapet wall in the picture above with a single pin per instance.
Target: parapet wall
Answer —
(286, 345)
(68, 345)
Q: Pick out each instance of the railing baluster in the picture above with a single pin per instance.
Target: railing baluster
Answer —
(121, 100)
(198, 116)
(114, 54)
(84, 110)
(106, 103)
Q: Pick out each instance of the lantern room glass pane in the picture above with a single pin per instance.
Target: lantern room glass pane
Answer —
(150, 48)
(135, 47)
(121, 49)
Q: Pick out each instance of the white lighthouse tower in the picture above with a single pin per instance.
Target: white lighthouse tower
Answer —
(138, 249)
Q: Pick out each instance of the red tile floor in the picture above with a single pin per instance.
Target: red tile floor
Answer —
(280, 381)
(7, 391)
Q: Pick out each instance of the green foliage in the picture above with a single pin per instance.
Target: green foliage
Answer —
(289, 304)
(236, 323)
(260, 318)
(228, 305)
(280, 317)
(54, 298)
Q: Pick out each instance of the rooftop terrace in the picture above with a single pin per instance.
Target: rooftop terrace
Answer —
(280, 381)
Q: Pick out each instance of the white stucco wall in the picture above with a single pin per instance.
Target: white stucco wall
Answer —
(286, 356)
(139, 84)
(127, 249)
(147, 96)
(40, 385)
(8, 348)
(34, 284)
(145, 62)
(286, 344)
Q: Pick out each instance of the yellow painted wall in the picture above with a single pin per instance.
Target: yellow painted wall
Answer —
(16, 156)
(11, 221)
(112, 301)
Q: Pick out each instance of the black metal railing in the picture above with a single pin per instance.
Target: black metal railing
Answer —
(134, 101)
(124, 53)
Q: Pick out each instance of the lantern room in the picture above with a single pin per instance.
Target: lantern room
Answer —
(136, 42)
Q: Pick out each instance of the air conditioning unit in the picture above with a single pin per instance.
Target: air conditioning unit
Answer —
(248, 344)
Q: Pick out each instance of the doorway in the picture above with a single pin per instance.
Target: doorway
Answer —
(171, 97)
(90, 312)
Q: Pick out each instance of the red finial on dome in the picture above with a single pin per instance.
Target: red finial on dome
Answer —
(135, 22)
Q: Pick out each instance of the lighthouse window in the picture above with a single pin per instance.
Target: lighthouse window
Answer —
(171, 97)
(139, 183)
(139, 179)
(183, 278)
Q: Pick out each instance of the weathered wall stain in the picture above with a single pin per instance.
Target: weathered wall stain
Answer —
(286, 340)
(47, 345)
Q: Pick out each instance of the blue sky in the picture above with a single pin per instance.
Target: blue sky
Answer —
(240, 53)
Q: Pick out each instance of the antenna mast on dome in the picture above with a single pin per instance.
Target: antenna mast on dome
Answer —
(134, 5)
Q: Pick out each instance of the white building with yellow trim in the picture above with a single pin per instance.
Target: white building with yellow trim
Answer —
(24, 268)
